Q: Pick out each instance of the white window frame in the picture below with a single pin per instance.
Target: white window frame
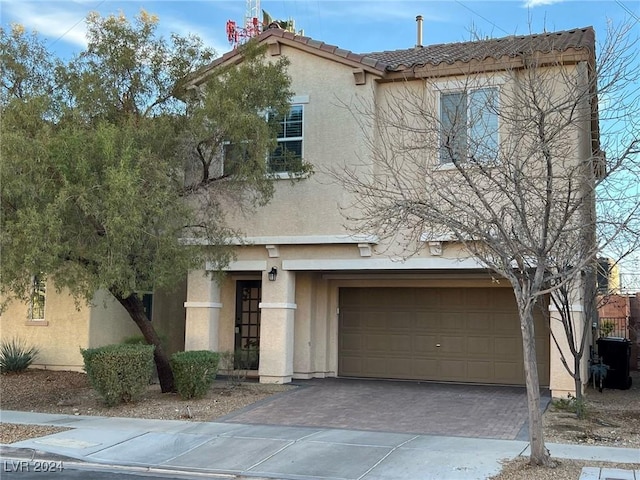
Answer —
(38, 290)
(289, 139)
(452, 89)
(299, 100)
(224, 156)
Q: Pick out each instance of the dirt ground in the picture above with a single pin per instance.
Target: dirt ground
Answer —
(613, 419)
(613, 416)
(69, 393)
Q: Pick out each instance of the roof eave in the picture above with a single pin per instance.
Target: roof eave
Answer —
(570, 56)
(313, 47)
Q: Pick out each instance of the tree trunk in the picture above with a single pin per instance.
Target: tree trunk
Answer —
(539, 453)
(133, 305)
(577, 377)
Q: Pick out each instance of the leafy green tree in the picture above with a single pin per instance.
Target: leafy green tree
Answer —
(94, 189)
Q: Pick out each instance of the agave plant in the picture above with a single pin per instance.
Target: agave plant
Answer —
(16, 355)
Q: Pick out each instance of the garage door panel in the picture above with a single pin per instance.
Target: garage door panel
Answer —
(398, 368)
(453, 321)
(424, 368)
(388, 343)
(505, 371)
(452, 344)
(351, 320)
(351, 342)
(480, 346)
(351, 366)
(453, 370)
(400, 321)
(508, 347)
(506, 323)
(424, 343)
(478, 322)
(427, 321)
(377, 320)
(374, 366)
(394, 332)
(483, 371)
(478, 297)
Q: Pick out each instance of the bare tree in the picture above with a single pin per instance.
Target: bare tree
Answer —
(504, 158)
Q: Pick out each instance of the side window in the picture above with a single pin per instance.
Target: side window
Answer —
(234, 155)
(38, 298)
(288, 154)
(469, 125)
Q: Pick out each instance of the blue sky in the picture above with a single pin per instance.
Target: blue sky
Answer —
(359, 26)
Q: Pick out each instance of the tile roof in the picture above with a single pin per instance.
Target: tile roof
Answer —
(480, 50)
(397, 60)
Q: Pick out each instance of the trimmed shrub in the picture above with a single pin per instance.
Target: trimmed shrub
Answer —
(119, 373)
(16, 355)
(194, 372)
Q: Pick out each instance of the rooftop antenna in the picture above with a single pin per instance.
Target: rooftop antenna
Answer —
(252, 25)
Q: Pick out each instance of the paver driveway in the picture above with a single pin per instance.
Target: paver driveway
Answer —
(393, 406)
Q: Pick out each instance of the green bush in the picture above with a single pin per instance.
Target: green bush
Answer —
(119, 373)
(16, 355)
(194, 372)
(571, 404)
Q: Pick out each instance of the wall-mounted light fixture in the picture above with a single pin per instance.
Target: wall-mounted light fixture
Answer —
(273, 273)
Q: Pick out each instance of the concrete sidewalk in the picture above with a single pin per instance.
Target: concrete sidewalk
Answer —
(284, 452)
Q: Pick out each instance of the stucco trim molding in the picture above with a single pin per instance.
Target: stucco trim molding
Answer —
(364, 263)
(283, 306)
(292, 240)
(365, 249)
(572, 308)
(273, 250)
(242, 265)
(202, 305)
(37, 323)
(435, 248)
(306, 240)
(426, 237)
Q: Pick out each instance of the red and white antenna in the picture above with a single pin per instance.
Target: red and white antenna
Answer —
(252, 25)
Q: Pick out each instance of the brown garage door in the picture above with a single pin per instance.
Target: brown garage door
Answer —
(446, 334)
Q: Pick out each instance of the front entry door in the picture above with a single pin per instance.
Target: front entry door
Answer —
(247, 338)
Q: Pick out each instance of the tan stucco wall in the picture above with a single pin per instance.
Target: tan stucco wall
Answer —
(169, 315)
(68, 326)
(109, 322)
(331, 138)
(59, 338)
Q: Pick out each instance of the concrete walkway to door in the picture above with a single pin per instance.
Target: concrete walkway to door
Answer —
(424, 408)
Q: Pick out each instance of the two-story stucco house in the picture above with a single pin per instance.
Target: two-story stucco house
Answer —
(317, 300)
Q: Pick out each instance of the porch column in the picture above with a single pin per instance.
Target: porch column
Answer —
(561, 383)
(277, 312)
(203, 312)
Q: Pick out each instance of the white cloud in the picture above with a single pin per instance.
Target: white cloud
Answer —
(539, 3)
(54, 21)
(183, 29)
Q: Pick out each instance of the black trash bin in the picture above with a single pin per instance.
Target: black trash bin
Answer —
(615, 353)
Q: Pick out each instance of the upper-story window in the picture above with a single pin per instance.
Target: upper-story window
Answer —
(287, 156)
(234, 155)
(38, 298)
(469, 125)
